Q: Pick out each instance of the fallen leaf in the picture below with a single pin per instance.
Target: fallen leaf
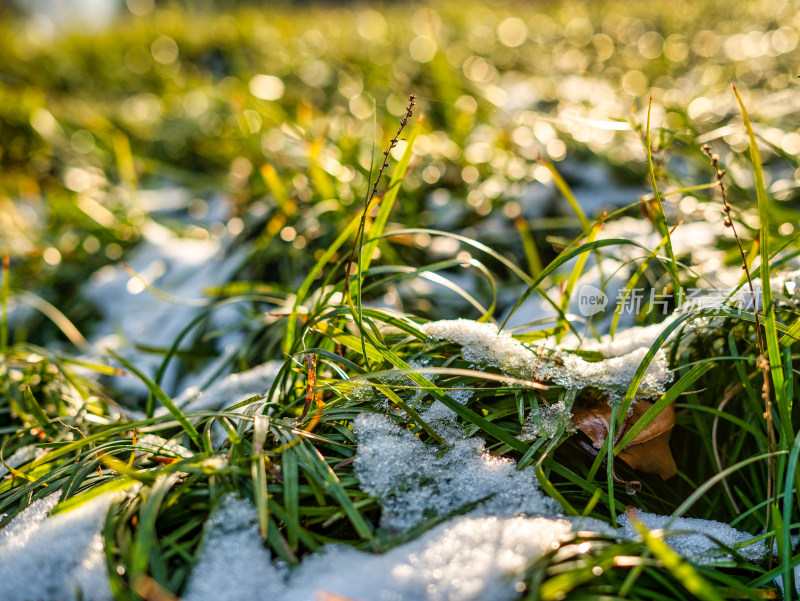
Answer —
(648, 452)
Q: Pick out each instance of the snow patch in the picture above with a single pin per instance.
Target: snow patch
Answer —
(482, 343)
(156, 445)
(181, 267)
(58, 558)
(466, 559)
(414, 481)
(697, 541)
(233, 564)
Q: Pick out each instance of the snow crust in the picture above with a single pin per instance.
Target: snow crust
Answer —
(233, 564)
(694, 538)
(56, 558)
(482, 343)
(414, 481)
(465, 559)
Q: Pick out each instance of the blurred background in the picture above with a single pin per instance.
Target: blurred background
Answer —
(219, 148)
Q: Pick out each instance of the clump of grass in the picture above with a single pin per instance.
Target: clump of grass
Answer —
(295, 463)
(291, 448)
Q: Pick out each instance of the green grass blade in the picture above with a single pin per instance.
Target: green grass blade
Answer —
(159, 394)
(770, 330)
(566, 192)
(146, 538)
(708, 484)
(4, 290)
(660, 220)
(677, 389)
(109, 486)
(38, 413)
(258, 472)
(785, 549)
(682, 570)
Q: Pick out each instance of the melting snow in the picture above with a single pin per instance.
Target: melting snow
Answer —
(466, 559)
(443, 419)
(415, 481)
(546, 421)
(483, 343)
(233, 564)
(624, 341)
(58, 558)
(696, 541)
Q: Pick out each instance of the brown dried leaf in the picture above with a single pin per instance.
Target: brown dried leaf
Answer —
(649, 451)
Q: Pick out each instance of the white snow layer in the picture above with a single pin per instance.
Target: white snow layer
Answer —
(695, 538)
(465, 559)
(181, 267)
(233, 564)
(58, 558)
(482, 343)
(414, 481)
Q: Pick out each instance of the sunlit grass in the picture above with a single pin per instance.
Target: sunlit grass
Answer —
(286, 113)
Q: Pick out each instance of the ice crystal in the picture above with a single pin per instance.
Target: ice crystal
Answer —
(414, 481)
(545, 421)
(482, 343)
(233, 563)
(695, 538)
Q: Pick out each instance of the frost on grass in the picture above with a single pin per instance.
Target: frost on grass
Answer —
(546, 421)
(482, 343)
(58, 558)
(233, 564)
(696, 539)
(465, 559)
(414, 481)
